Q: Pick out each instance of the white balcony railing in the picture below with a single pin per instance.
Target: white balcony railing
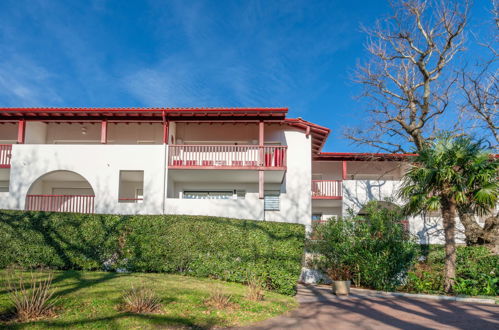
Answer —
(5, 154)
(327, 189)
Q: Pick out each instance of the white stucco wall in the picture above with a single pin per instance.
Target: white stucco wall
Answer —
(251, 208)
(357, 193)
(100, 165)
(427, 229)
(295, 199)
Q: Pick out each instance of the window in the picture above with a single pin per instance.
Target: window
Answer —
(4, 179)
(131, 188)
(241, 194)
(271, 200)
(139, 195)
(4, 186)
(208, 194)
(316, 217)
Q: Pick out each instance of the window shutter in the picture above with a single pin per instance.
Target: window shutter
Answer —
(271, 201)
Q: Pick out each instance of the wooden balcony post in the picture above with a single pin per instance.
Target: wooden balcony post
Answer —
(165, 132)
(344, 169)
(261, 173)
(21, 131)
(103, 132)
(165, 128)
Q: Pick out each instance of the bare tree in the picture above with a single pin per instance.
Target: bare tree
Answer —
(479, 113)
(481, 88)
(408, 80)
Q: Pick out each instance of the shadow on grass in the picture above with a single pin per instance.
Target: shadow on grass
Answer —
(109, 321)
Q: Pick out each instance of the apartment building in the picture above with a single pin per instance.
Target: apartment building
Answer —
(246, 163)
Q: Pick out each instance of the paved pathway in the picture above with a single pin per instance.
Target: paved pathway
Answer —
(320, 309)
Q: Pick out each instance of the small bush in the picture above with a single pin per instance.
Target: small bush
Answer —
(255, 288)
(477, 271)
(219, 299)
(140, 300)
(374, 251)
(32, 298)
(214, 247)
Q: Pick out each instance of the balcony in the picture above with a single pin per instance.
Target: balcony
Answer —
(60, 203)
(244, 157)
(5, 154)
(327, 189)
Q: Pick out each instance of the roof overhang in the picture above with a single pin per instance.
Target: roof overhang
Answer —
(141, 114)
(352, 156)
(319, 133)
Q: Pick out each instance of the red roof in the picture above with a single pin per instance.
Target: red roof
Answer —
(338, 156)
(319, 133)
(66, 113)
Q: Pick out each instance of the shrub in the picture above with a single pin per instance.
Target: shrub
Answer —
(31, 298)
(477, 272)
(374, 251)
(219, 299)
(255, 288)
(221, 248)
(140, 300)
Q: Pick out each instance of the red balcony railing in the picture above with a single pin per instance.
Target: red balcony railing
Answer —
(5, 154)
(326, 189)
(60, 203)
(131, 200)
(226, 156)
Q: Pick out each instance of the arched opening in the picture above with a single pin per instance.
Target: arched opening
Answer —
(382, 204)
(386, 205)
(61, 191)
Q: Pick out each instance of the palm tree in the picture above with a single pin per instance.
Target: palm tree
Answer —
(449, 173)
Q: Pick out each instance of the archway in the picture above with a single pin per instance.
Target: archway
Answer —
(386, 205)
(383, 204)
(61, 191)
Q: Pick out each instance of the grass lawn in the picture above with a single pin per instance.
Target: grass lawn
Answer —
(90, 300)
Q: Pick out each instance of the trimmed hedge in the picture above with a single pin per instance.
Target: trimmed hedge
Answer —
(221, 248)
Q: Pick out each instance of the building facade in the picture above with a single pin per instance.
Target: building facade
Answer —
(246, 163)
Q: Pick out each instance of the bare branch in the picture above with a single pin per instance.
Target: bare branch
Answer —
(408, 79)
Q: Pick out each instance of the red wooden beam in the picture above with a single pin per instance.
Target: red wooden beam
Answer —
(261, 173)
(103, 132)
(344, 169)
(21, 131)
(165, 128)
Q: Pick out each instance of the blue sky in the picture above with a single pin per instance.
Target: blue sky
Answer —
(297, 54)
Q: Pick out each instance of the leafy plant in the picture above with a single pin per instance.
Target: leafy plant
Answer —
(373, 250)
(140, 300)
(32, 298)
(476, 272)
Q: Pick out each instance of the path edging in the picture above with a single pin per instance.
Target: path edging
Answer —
(374, 293)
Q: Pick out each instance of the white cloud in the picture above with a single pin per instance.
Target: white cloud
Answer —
(23, 83)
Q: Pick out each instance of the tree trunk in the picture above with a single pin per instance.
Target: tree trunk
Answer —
(473, 232)
(476, 235)
(449, 212)
(491, 235)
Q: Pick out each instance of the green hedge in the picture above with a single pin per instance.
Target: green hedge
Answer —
(222, 248)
